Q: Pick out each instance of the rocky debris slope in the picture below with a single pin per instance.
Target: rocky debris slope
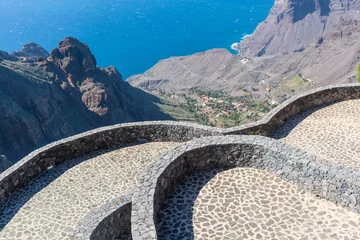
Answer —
(316, 39)
(63, 95)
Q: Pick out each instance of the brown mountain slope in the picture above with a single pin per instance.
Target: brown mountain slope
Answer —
(293, 24)
(63, 95)
(315, 39)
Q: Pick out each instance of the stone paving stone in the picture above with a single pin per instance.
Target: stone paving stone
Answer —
(331, 132)
(51, 206)
(246, 203)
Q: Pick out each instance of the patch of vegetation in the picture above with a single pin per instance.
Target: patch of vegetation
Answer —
(293, 85)
(27, 70)
(358, 73)
(213, 108)
(216, 108)
(210, 93)
(176, 110)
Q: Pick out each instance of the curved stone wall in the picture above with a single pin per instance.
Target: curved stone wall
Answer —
(327, 180)
(110, 221)
(51, 155)
(299, 103)
(55, 153)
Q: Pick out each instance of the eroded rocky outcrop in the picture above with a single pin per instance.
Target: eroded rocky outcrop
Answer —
(62, 95)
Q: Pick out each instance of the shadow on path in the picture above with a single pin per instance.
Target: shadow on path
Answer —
(9, 209)
(291, 123)
(175, 218)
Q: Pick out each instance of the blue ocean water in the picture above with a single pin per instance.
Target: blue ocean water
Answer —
(131, 34)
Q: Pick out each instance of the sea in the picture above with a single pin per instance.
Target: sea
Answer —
(132, 35)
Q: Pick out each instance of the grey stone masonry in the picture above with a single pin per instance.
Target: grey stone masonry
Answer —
(30, 167)
(328, 180)
(299, 103)
(110, 221)
(322, 178)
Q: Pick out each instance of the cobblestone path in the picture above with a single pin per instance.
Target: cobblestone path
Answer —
(331, 132)
(51, 206)
(245, 203)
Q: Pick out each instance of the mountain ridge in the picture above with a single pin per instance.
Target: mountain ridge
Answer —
(46, 99)
(270, 55)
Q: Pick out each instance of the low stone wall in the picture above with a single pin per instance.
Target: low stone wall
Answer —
(299, 103)
(325, 179)
(55, 153)
(110, 221)
(51, 155)
(30, 167)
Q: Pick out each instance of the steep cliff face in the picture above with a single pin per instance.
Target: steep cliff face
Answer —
(102, 91)
(33, 112)
(63, 95)
(293, 24)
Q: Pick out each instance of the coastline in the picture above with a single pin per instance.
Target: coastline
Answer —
(236, 46)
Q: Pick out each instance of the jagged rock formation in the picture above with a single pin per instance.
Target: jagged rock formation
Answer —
(63, 95)
(32, 51)
(318, 39)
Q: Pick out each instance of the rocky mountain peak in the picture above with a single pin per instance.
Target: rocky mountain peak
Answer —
(31, 50)
(62, 95)
(75, 59)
